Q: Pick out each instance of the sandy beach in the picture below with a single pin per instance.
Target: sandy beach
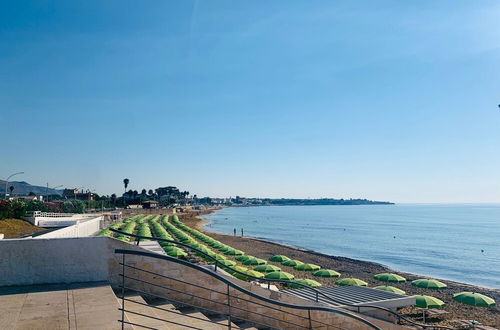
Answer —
(364, 270)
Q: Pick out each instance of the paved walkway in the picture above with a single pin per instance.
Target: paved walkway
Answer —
(73, 306)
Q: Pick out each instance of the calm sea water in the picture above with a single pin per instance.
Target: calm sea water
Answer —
(444, 241)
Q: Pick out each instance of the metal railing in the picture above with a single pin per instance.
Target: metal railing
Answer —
(229, 305)
(317, 293)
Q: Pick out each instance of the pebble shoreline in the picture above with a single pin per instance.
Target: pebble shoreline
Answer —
(360, 269)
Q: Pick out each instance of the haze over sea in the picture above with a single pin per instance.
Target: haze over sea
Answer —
(443, 241)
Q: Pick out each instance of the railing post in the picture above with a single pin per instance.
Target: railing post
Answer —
(216, 262)
(228, 308)
(317, 298)
(309, 316)
(123, 291)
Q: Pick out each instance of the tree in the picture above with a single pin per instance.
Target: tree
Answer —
(143, 192)
(125, 183)
(11, 188)
(31, 194)
(150, 192)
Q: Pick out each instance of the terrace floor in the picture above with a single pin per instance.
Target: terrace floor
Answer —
(59, 306)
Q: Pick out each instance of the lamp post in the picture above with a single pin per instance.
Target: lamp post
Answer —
(7, 181)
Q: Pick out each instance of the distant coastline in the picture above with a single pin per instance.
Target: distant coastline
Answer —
(307, 202)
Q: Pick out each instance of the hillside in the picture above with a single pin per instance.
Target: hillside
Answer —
(24, 188)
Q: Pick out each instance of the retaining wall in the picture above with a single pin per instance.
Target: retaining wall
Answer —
(82, 228)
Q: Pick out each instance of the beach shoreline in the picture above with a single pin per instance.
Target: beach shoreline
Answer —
(350, 267)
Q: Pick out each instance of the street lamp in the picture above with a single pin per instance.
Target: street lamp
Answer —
(7, 181)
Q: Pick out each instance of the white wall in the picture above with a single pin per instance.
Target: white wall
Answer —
(82, 228)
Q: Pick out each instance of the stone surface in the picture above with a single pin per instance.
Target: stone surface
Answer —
(74, 306)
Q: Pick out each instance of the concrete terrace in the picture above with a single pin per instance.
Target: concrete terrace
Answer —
(59, 306)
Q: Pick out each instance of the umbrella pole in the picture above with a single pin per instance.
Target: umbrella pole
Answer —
(423, 314)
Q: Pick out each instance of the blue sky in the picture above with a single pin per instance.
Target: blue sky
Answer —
(386, 100)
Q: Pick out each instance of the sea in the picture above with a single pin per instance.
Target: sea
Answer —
(454, 242)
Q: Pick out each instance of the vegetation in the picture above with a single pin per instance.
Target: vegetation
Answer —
(13, 228)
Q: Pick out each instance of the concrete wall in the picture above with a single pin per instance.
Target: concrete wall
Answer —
(82, 228)
(64, 260)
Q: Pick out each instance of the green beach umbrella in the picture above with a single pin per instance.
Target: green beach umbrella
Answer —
(307, 267)
(234, 252)
(427, 283)
(254, 273)
(178, 253)
(228, 263)
(279, 276)
(254, 261)
(474, 299)
(390, 289)
(219, 256)
(244, 257)
(224, 248)
(326, 273)
(428, 302)
(240, 268)
(389, 277)
(279, 258)
(350, 281)
(307, 282)
(267, 268)
(292, 263)
(170, 248)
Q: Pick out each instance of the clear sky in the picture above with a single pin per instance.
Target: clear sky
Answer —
(386, 100)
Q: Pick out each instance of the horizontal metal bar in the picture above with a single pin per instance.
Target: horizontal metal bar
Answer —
(169, 311)
(159, 319)
(218, 312)
(136, 324)
(178, 291)
(194, 306)
(224, 293)
(171, 278)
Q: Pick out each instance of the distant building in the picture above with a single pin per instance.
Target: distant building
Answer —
(27, 198)
(134, 206)
(149, 204)
(70, 193)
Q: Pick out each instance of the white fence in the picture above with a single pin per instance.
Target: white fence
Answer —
(35, 214)
(50, 219)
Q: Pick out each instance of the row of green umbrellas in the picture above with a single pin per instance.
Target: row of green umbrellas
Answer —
(301, 266)
(467, 297)
(421, 283)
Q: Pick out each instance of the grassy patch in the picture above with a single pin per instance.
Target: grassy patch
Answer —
(13, 228)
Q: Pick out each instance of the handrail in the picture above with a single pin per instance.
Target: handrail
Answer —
(243, 290)
(317, 292)
(200, 287)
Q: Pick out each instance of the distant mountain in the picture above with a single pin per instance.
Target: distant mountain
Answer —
(24, 188)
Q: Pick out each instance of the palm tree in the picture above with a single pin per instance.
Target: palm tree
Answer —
(125, 182)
